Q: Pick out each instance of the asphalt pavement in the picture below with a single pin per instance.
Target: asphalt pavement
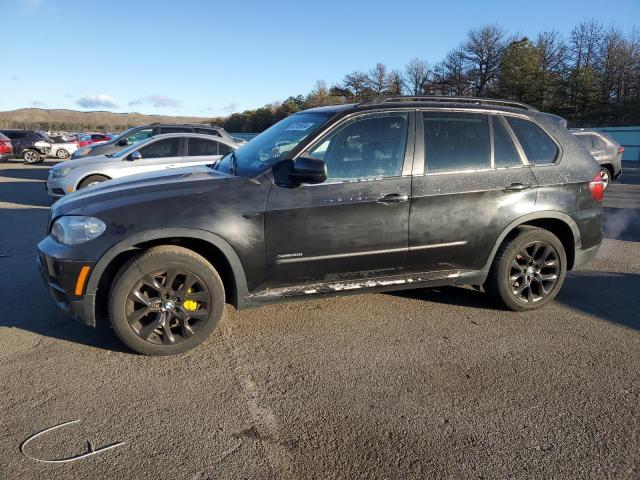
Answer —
(436, 383)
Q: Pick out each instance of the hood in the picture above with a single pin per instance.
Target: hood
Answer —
(163, 183)
(79, 162)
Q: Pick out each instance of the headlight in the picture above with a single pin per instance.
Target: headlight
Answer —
(59, 172)
(73, 230)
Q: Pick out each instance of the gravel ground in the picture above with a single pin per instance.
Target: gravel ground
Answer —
(422, 384)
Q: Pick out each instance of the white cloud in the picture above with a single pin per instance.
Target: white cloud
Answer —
(97, 101)
(32, 5)
(232, 107)
(38, 103)
(157, 101)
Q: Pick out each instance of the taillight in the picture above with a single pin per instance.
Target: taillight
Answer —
(5, 146)
(620, 150)
(596, 187)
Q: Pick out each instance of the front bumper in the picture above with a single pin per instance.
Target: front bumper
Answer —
(60, 277)
(56, 187)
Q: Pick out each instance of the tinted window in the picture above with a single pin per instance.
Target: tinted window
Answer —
(505, 154)
(369, 147)
(456, 141)
(12, 135)
(537, 146)
(168, 147)
(207, 131)
(598, 142)
(223, 149)
(140, 135)
(585, 141)
(176, 129)
(201, 146)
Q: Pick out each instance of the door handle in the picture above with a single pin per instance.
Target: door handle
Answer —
(517, 187)
(393, 198)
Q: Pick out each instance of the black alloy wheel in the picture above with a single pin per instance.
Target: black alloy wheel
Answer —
(167, 307)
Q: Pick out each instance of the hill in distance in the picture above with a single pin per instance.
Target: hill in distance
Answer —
(73, 120)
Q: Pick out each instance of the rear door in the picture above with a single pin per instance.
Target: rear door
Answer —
(355, 224)
(470, 181)
(155, 156)
(202, 151)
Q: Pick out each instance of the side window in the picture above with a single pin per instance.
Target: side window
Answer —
(207, 131)
(168, 147)
(176, 130)
(598, 143)
(223, 148)
(140, 135)
(201, 146)
(585, 141)
(367, 147)
(537, 146)
(456, 141)
(505, 154)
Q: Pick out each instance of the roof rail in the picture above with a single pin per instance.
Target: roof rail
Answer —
(444, 98)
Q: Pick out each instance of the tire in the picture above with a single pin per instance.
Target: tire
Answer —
(606, 176)
(30, 156)
(62, 154)
(149, 313)
(520, 283)
(92, 180)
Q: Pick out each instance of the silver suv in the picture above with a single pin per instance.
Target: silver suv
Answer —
(604, 149)
(156, 153)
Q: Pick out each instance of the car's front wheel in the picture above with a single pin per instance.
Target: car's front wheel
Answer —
(166, 301)
(92, 180)
(528, 269)
(30, 156)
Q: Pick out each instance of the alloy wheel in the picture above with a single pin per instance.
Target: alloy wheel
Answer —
(604, 174)
(534, 272)
(167, 307)
(30, 156)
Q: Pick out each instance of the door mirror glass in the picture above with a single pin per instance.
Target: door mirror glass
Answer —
(309, 170)
(123, 142)
(135, 156)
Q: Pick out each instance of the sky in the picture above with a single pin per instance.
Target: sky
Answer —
(210, 58)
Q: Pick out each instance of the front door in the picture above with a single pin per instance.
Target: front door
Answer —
(469, 184)
(155, 156)
(355, 224)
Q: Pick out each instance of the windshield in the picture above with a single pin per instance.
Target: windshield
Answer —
(272, 144)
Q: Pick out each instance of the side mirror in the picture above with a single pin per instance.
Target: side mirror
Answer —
(309, 170)
(124, 142)
(134, 156)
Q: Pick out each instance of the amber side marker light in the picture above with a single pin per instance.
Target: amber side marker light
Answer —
(82, 278)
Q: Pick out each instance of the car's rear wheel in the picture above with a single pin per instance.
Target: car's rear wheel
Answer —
(528, 270)
(30, 156)
(166, 301)
(62, 153)
(92, 180)
(605, 174)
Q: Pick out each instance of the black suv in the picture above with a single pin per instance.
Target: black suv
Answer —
(142, 132)
(32, 147)
(385, 195)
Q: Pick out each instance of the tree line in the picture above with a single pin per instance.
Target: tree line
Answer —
(591, 77)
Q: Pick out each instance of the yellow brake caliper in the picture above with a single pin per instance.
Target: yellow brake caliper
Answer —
(190, 304)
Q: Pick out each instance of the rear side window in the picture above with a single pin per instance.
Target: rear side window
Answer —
(201, 146)
(598, 142)
(537, 146)
(585, 141)
(223, 149)
(176, 129)
(505, 154)
(456, 141)
(207, 131)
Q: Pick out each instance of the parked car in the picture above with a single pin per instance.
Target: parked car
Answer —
(604, 149)
(91, 138)
(63, 147)
(6, 150)
(170, 150)
(382, 195)
(32, 147)
(142, 132)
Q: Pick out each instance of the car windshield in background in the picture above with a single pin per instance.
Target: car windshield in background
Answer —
(272, 144)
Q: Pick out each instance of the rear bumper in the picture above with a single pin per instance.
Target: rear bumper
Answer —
(585, 255)
(60, 278)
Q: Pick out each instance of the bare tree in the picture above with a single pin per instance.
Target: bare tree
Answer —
(416, 76)
(451, 75)
(552, 54)
(584, 40)
(482, 52)
(356, 85)
(378, 79)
